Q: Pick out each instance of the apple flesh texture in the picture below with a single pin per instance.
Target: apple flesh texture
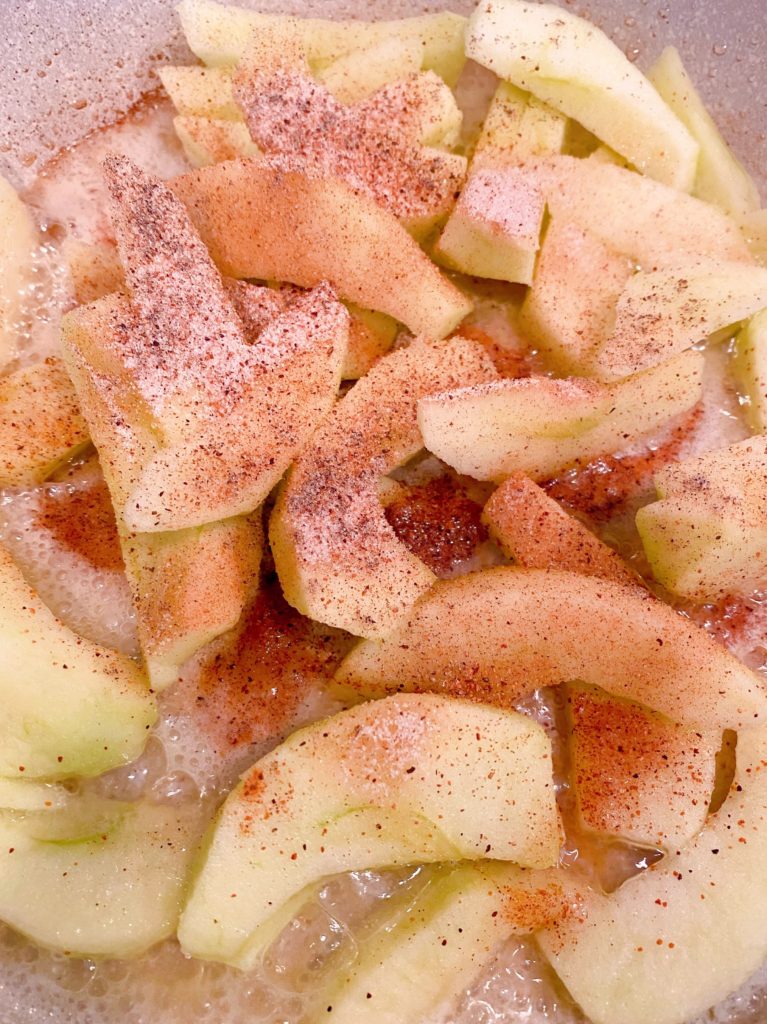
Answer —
(338, 559)
(673, 941)
(570, 64)
(220, 35)
(25, 795)
(18, 242)
(750, 370)
(97, 878)
(664, 312)
(706, 536)
(208, 141)
(413, 779)
(40, 423)
(70, 706)
(720, 178)
(635, 774)
(498, 634)
(540, 426)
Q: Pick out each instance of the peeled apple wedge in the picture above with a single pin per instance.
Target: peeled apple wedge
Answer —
(338, 559)
(356, 75)
(220, 34)
(540, 426)
(413, 779)
(570, 64)
(208, 141)
(97, 878)
(676, 939)
(750, 370)
(25, 795)
(261, 221)
(201, 92)
(518, 127)
(666, 311)
(18, 241)
(70, 707)
(720, 179)
(498, 634)
(706, 536)
(41, 425)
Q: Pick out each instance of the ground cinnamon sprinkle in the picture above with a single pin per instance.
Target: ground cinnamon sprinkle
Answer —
(82, 519)
(438, 522)
(511, 363)
(528, 909)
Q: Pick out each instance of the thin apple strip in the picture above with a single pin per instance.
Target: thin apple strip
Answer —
(518, 127)
(208, 141)
(358, 74)
(720, 177)
(570, 64)
(260, 221)
(540, 426)
(18, 241)
(201, 92)
(676, 939)
(41, 425)
(338, 559)
(666, 311)
(26, 795)
(750, 370)
(413, 779)
(498, 634)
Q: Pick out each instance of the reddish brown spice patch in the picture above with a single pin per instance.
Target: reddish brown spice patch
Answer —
(528, 909)
(82, 519)
(509, 362)
(438, 522)
(602, 487)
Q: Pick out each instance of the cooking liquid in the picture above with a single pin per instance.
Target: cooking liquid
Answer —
(206, 736)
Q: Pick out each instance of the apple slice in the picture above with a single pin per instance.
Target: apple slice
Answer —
(201, 92)
(97, 878)
(706, 536)
(220, 34)
(94, 270)
(189, 587)
(534, 531)
(635, 773)
(26, 795)
(40, 423)
(498, 634)
(70, 707)
(750, 370)
(570, 308)
(720, 178)
(207, 141)
(338, 559)
(666, 311)
(358, 74)
(754, 228)
(261, 221)
(414, 779)
(687, 932)
(570, 64)
(18, 242)
(541, 426)
(517, 127)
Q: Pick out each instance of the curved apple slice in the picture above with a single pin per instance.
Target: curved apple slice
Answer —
(540, 426)
(687, 932)
(338, 559)
(26, 795)
(268, 222)
(18, 241)
(413, 779)
(498, 634)
(70, 707)
(750, 370)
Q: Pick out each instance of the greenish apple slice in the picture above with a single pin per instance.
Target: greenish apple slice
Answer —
(663, 312)
(356, 75)
(720, 178)
(97, 878)
(413, 779)
(18, 242)
(540, 426)
(498, 634)
(750, 370)
(570, 64)
(338, 559)
(27, 795)
(687, 932)
(706, 536)
(70, 707)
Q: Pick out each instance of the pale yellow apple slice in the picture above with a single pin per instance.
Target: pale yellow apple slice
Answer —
(570, 308)
(413, 779)
(750, 370)
(40, 423)
(720, 177)
(666, 311)
(534, 531)
(518, 127)
(208, 141)
(570, 64)
(18, 241)
(356, 75)
(636, 774)
(219, 34)
(338, 559)
(201, 92)
(70, 707)
(541, 426)
(189, 587)
(754, 228)
(260, 221)
(94, 269)
(706, 536)
(498, 634)
(25, 795)
(681, 936)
